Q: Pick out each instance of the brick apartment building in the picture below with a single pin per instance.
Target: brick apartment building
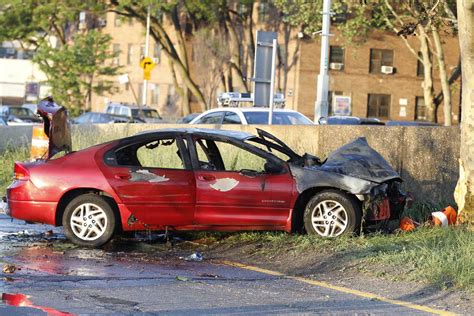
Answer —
(380, 78)
(357, 72)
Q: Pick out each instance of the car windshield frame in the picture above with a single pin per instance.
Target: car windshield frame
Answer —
(146, 113)
(21, 112)
(279, 118)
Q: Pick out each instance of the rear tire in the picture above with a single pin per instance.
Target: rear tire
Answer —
(89, 221)
(332, 213)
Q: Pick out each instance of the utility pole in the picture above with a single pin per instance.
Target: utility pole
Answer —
(321, 104)
(147, 46)
(272, 82)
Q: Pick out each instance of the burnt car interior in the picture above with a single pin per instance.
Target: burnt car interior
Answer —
(218, 155)
(165, 153)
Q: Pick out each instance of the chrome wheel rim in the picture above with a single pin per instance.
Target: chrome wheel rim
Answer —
(329, 218)
(88, 221)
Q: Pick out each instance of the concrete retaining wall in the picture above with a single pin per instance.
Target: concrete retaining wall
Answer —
(426, 157)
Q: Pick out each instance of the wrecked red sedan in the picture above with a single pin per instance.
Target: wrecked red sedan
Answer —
(201, 179)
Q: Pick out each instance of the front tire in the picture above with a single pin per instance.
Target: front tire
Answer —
(89, 221)
(331, 214)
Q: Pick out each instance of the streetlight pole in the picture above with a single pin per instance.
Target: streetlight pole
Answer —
(147, 46)
(321, 104)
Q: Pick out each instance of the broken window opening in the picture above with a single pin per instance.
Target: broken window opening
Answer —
(155, 154)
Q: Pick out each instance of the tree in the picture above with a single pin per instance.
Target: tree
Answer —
(464, 193)
(71, 59)
(78, 68)
(231, 21)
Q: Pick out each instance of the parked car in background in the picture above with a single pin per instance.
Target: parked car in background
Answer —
(17, 115)
(349, 120)
(139, 114)
(204, 179)
(31, 106)
(410, 123)
(100, 118)
(188, 118)
(251, 116)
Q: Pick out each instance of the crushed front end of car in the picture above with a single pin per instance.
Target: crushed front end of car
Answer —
(358, 169)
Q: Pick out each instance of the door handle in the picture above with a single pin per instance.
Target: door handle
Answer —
(122, 176)
(206, 177)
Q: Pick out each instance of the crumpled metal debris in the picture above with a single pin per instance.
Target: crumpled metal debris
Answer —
(197, 256)
(9, 268)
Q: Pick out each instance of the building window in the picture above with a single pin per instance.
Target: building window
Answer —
(155, 94)
(129, 54)
(242, 8)
(159, 15)
(171, 98)
(116, 51)
(336, 57)
(117, 20)
(157, 52)
(379, 106)
(140, 93)
(420, 109)
(379, 58)
(340, 16)
(263, 7)
(420, 67)
(331, 95)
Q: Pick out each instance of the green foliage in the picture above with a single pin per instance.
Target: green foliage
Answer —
(301, 13)
(71, 59)
(8, 158)
(72, 69)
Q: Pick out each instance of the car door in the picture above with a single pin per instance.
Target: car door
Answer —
(233, 189)
(154, 180)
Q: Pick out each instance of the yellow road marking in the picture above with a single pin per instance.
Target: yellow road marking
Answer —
(341, 289)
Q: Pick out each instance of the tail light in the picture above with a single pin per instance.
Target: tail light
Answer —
(21, 172)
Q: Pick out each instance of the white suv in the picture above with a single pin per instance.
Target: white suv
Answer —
(253, 115)
(136, 113)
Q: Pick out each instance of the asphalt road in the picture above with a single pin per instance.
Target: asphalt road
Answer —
(56, 277)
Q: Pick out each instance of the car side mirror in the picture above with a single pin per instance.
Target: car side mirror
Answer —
(273, 167)
(322, 120)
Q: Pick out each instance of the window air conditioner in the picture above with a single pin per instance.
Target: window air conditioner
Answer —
(336, 66)
(387, 70)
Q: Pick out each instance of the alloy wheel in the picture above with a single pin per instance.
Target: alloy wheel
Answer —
(88, 221)
(329, 218)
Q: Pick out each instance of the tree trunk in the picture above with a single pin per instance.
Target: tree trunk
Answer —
(428, 92)
(443, 77)
(464, 193)
(235, 51)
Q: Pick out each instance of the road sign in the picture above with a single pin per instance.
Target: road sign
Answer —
(263, 68)
(147, 64)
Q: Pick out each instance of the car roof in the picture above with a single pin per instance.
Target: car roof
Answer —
(250, 109)
(237, 135)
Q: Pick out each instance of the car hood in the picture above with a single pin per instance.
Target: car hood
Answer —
(357, 159)
(56, 126)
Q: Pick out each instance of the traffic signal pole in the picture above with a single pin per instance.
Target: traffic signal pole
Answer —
(321, 104)
(147, 46)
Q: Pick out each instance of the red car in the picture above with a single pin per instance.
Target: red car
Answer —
(201, 179)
